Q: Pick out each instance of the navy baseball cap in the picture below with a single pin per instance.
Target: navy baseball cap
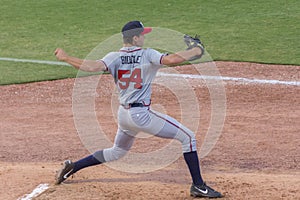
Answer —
(133, 28)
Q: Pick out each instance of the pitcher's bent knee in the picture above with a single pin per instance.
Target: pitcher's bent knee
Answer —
(188, 141)
(113, 153)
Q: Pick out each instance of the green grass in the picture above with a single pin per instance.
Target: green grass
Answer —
(255, 31)
(27, 72)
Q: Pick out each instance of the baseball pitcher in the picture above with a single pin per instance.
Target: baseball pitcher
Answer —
(133, 69)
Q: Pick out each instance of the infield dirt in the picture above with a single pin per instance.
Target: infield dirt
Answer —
(257, 155)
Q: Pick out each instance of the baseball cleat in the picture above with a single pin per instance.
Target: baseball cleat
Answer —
(65, 172)
(204, 191)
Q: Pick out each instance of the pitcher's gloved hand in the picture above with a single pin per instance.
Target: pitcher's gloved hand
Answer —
(192, 42)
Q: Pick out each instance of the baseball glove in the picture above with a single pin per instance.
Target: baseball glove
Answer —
(192, 42)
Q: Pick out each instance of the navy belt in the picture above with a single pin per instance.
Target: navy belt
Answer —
(132, 105)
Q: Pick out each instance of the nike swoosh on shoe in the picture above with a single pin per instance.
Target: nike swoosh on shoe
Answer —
(67, 174)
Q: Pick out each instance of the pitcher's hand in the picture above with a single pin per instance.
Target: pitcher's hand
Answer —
(60, 54)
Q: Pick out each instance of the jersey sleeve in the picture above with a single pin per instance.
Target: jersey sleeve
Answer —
(111, 61)
(154, 57)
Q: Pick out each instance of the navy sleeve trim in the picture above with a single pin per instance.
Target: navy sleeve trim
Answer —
(106, 68)
(160, 61)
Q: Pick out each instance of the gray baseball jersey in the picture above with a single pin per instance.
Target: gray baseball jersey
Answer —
(133, 69)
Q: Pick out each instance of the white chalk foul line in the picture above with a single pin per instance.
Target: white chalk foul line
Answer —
(37, 191)
(191, 76)
(224, 78)
(35, 61)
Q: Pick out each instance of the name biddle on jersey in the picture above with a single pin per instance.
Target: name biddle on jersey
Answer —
(133, 69)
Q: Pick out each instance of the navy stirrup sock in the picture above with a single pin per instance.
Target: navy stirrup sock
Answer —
(191, 159)
(91, 160)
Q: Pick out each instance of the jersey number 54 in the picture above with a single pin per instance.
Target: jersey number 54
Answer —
(126, 77)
